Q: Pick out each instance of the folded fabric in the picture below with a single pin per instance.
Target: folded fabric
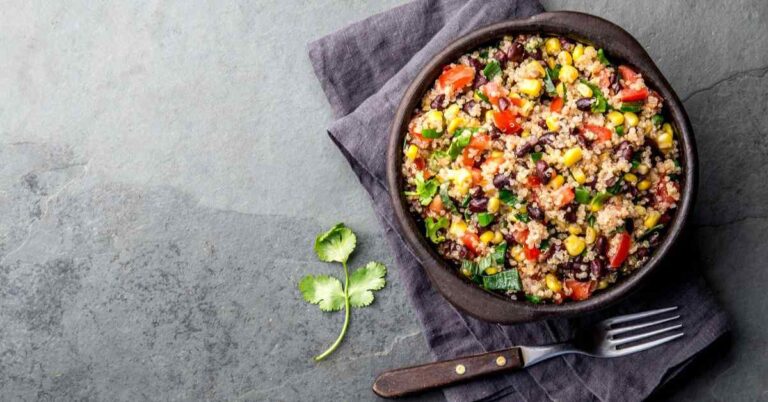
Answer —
(364, 70)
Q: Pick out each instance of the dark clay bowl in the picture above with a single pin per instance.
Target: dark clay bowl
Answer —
(621, 48)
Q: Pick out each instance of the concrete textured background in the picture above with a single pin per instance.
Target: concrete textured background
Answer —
(156, 212)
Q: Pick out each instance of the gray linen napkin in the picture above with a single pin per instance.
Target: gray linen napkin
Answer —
(364, 70)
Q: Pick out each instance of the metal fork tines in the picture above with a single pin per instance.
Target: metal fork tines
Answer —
(615, 336)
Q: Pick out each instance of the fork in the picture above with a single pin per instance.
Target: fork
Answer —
(602, 340)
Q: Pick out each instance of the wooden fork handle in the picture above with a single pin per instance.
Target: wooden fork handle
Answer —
(409, 380)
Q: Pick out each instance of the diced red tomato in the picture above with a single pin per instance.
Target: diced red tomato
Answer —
(557, 105)
(565, 196)
(493, 92)
(633, 95)
(505, 120)
(521, 236)
(420, 163)
(516, 101)
(471, 241)
(531, 253)
(456, 77)
(477, 176)
(603, 134)
(579, 290)
(467, 157)
(436, 205)
(480, 142)
(620, 252)
(627, 74)
(533, 181)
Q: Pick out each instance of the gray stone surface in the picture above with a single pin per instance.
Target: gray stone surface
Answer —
(164, 169)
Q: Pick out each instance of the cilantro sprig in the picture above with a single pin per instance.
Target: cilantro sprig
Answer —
(336, 245)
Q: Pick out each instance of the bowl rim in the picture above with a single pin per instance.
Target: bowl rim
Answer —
(620, 46)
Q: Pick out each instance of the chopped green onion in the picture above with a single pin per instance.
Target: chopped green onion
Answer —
(602, 58)
(431, 133)
(492, 69)
(481, 95)
(633, 107)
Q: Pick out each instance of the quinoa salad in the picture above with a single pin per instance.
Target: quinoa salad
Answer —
(540, 169)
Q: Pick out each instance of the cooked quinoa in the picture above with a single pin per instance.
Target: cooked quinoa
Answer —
(540, 169)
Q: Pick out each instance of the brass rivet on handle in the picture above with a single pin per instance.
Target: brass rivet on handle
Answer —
(500, 361)
(460, 369)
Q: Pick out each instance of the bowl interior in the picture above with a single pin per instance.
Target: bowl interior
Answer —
(621, 48)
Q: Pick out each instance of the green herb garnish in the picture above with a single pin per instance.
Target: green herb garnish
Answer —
(533, 299)
(600, 105)
(508, 197)
(599, 199)
(650, 231)
(431, 133)
(616, 188)
(484, 219)
(458, 143)
(499, 253)
(466, 200)
(633, 107)
(602, 58)
(433, 226)
(504, 280)
(549, 82)
(657, 120)
(491, 69)
(536, 156)
(523, 217)
(582, 195)
(591, 220)
(425, 189)
(336, 245)
(481, 95)
(446, 199)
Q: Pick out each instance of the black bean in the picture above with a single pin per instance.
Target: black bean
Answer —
(469, 105)
(524, 149)
(437, 103)
(501, 57)
(534, 211)
(624, 151)
(584, 104)
(629, 225)
(503, 103)
(477, 64)
(642, 252)
(596, 267)
(654, 239)
(510, 239)
(479, 80)
(542, 124)
(548, 138)
(494, 133)
(570, 212)
(601, 246)
(615, 86)
(543, 171)
(536, 54)
(516, 52)
(501, 180)
(612, 181)
(581, 138)
(478, 204)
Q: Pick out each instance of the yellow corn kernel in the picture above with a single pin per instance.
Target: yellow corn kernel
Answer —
(491, 271)
(631, 119)
(574, 229)
(664, 141)
(595, 206)
(489, 116)
(590, 50)
(451, 112)
(590, 236)
(552, 46)
(553, 123)
(474, 123)
(564, 58)
(536, 69)
(578, 51)
(531, 87)
(602, 284)
(572, 156)
(557, 182)
(525, 134)
(584, 90)
(616, 118)
(640, 210)
(435, 119)
(575, 245)
(458, 227)
(493, 205)
(552, 282)
(630, 178)
(498, 237)
(667, 128)
(551, 62)
(486, 237)
(455, 123)
(642, 169)
(652, 219)
(568, 74)
(526, 108)
(579, 175)
(560, 90)
(644, 185)
(412, 152)
(497, 154)
(518, 254)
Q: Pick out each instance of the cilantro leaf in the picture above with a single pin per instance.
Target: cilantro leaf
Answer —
(459, 143)
(364, 281)
(549, 84)
(600, 105)
(447, 201)
(336, 244)
(504, 280)
(433, 226)
(324, 291)
(425, 189)
(508, 197)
